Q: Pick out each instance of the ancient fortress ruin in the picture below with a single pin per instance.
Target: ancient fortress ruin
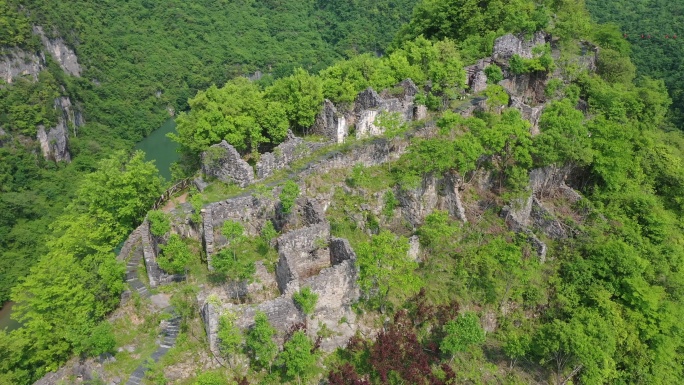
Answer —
(308, 256)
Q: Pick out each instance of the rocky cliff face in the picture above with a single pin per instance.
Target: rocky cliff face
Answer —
(65, 56)
(17, 62)
(54, 142)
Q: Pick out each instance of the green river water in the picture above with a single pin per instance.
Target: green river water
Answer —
(161, 149)
(5, 321)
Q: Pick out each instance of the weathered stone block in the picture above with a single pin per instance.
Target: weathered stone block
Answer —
(223, 162)
(330, 123)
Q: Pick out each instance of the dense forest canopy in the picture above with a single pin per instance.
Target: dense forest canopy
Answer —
(601, 306)
(654, 29)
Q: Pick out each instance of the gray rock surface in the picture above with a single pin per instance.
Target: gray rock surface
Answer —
(293, 149)
(508, 45)
(54, 142)
(65, 56)
(223, 162)
(16, 62)
(475, 75)
(531, 114)
(330, 123)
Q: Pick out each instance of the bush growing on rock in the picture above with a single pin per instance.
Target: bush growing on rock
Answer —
(175, 255)
(306, 300)
(288, 196)
(160, 223)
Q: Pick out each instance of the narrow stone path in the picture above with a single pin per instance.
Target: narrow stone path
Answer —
(170, 327)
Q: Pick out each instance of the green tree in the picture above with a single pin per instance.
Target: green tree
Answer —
(288, 196)
(229, 336)
(564, 136)
(301, 94)
(298, 357)
(121, 188)
(56, 308)
(386, 271)
(175, 255)
(259, 343)
(160, 223)
(508, 142)
(306, 300)
(494, 74)
(100, 341)
(234, 233)
(462, 333)
(238, 112)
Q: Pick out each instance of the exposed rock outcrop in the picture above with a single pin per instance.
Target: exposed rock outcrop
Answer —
(330, 123)
(293, 149)
(16, 62)
(431, 194)
(65, 56)
(529, 213)
(223, 162)
(54, 142)
(505, 47)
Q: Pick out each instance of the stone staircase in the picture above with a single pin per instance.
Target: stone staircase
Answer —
(169, 333)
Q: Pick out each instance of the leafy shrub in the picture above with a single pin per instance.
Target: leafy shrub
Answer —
(175, 255)
(160, 223)
(391, 202)
(288, 196)
(461, 333)
(306, 300)
(100, 341)
(494, 74)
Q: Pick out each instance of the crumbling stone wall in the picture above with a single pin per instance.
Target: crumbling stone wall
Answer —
(150, 247)
(308, 257)
(252, 212)
(293, 149)
(302, 253)
(223, 162)
(331, 123)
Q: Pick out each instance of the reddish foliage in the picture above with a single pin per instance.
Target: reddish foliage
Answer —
(398, 350)
(295, 328)
(243, 381)
(346, 375)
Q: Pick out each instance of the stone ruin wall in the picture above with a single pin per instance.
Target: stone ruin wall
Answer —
(308, 256)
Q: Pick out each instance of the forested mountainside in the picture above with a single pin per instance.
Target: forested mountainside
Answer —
(495, 199)
(137, 62)
(654, 29)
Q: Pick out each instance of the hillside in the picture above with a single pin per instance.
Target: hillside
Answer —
(496, 199)
(658, 53)
(133, 65)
